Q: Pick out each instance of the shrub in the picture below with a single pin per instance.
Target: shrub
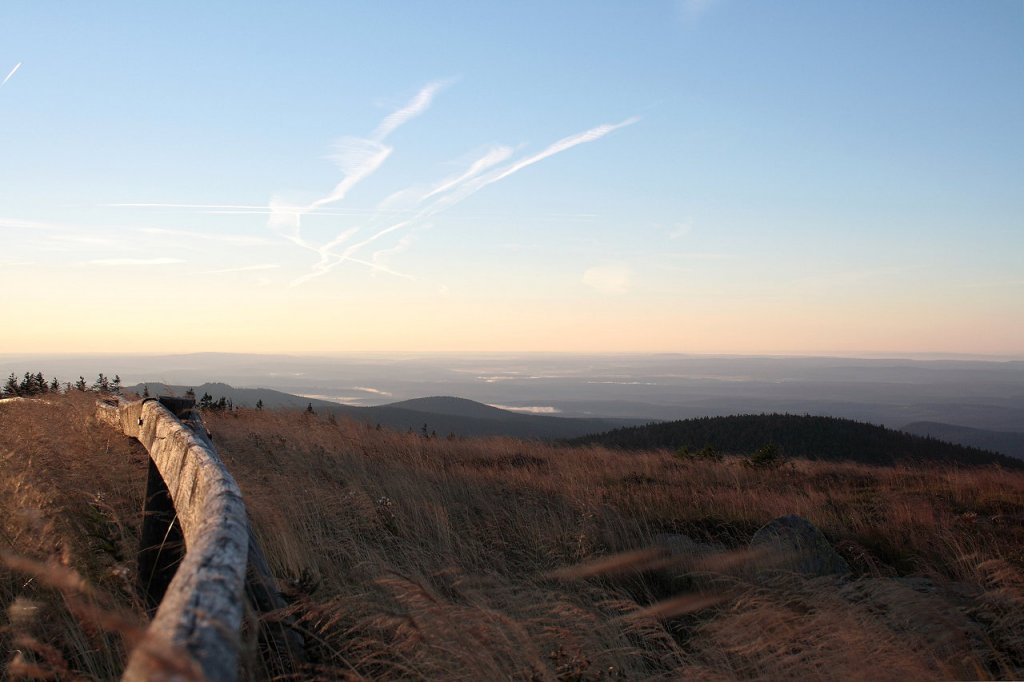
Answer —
(766, 457)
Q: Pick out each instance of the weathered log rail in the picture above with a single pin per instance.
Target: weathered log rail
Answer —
(199, 594)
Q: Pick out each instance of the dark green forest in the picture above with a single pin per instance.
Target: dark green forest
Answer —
(791, 435)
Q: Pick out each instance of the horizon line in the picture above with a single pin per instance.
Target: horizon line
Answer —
(850, 355)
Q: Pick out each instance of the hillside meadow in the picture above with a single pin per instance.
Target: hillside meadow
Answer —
(406, 557)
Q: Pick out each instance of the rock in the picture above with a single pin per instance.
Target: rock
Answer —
(796, 545)
(683, 546)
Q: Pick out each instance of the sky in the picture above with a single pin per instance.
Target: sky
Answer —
(698, 176)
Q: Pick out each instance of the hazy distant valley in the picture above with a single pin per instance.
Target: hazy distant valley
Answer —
(969, 401)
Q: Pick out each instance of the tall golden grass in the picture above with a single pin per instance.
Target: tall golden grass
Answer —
(415, 558)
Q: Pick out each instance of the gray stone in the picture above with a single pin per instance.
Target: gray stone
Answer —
(685, 547)
(794, 544)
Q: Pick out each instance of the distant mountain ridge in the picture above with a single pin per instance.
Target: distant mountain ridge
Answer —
(809, 437)
(440, 414)
(1006, 442)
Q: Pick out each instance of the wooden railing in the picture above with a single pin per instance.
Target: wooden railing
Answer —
(199, 561)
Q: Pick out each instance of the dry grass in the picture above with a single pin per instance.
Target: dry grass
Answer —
(417, 558)
(70, 500)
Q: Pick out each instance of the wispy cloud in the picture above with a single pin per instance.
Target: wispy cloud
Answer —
(608, 279)
(239, 240)
(10, 74)
(491, 158)
(178, 205)
(382, 257)
(416, 106)
(412, 208)
(692, 10)
(19, 224)
(453, 191)
(680, 230)
(135, 261)
(358, 158)
(245, 268)
(82, 242)
(562, 145)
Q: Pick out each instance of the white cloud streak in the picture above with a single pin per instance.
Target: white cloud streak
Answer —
(692, 10)
(245, 268)
(491, 158)
(358, 158)
(416, 106)
(19, 224)
(246, 209)
(239, 240)
(562, 145)
(608, 279)
(135, 261)
(10, 74)
(453, 191)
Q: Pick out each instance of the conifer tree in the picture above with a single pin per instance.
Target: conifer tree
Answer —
(115, 386)
(80, 384)
(11, 387)
(55, 386)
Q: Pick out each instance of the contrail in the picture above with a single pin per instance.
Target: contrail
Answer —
(491, 158)
(470, 184)
(416, 106)
(12, 72)
(136, 261)
(560, 146)
(241, 240)
(244, 268)
(358, 158)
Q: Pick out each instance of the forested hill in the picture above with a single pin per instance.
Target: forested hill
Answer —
(796, 436)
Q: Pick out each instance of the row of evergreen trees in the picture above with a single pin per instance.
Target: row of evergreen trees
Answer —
(790, 435)
(36, 384)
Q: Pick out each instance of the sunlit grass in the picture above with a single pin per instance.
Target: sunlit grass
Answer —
(433, 558)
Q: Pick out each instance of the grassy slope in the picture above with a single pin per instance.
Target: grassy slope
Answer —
(70, 494)
(423, 558)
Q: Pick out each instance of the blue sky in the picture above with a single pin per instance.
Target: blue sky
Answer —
(704, 176)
